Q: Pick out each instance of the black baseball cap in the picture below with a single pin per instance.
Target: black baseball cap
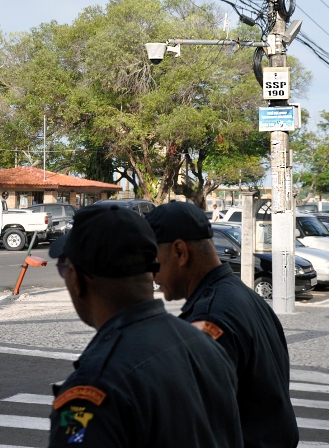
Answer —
(179, 220)
(108, 242)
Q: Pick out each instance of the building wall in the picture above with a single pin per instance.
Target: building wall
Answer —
(73, 198)
(50, 196)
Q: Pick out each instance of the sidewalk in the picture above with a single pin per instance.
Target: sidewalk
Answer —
(46, 320)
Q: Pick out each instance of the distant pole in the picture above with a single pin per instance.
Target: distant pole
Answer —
(283, 226)
(44, 146)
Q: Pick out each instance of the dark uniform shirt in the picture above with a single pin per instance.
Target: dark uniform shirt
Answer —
(150, 380)
(254, 339)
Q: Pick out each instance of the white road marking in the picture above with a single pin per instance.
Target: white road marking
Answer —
(14, 446)
(310, 403)
(40, 353)
(306, 444)
(20, 421)
(306, 387)
(312, 423)
(310, 376)
(30, 398)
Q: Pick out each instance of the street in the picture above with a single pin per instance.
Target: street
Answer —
(47, 276)
(40, 336)
(43, 277)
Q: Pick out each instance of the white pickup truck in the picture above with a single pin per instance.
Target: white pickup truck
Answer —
(18, 228)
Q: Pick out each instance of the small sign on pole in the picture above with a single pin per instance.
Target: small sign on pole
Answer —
(276, 119)
(276, 83)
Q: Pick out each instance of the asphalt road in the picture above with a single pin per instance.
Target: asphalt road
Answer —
(44, 277)
(26, 398)
(47, 276)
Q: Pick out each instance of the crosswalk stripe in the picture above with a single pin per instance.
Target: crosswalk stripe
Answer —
(30, 398)
(306, 387)
(13, 446)
(312, 423)
(19, 421)
(307, 445)
(40, 353)
(310, 403)
(309, 376)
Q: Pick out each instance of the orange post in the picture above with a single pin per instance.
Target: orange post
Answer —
(34, 262)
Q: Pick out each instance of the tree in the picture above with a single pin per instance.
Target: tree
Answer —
(311, 159)
(110, 111)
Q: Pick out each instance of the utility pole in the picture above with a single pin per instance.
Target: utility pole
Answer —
(276, 89)
(283, 222)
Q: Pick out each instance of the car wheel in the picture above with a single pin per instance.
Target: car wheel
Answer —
(14, 239)
(263, 287)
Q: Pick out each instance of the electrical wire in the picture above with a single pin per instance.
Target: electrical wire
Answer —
(313, 21)
(259, 54)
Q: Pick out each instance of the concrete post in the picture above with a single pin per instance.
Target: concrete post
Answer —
(283, 226)
(248, 238)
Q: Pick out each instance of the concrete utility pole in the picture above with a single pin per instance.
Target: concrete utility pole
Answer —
(283, 222)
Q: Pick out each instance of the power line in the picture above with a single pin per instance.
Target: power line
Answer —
(325, 4)
(313, 20)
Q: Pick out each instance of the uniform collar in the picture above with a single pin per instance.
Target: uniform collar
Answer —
(124, 318)
(213, 276)
(133, 313)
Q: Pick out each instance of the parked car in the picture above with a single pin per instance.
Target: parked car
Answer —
(209, 214)
(141, 206)
(62, 214)
(323, 217)
(41, 236)
(309, 228)
(307, 208)
(227, 240)
(319, 259)
(311, 231)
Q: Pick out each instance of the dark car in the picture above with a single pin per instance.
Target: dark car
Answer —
(227, 240)
(323, 217)
(62, 215)
(141, 206)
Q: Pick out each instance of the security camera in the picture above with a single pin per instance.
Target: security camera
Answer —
(156, 51)
(292, 31)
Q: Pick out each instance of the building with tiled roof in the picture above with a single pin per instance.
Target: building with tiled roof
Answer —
(24, 186)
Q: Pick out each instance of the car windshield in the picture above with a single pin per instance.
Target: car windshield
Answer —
(311, 226)
(299, 244)
(234, 233)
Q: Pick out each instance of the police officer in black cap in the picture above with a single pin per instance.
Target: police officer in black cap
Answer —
(147, 379)
(251, 333)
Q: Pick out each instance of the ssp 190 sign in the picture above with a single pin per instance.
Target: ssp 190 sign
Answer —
(276, 83)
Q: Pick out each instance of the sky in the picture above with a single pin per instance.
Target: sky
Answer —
(21, 15)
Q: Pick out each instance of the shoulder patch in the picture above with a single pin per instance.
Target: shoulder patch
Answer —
(88, 393)
(208, 327)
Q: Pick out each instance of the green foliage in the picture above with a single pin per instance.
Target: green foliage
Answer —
(110, 111)
(311, 158)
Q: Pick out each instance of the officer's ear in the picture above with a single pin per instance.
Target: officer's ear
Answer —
(76, 282)
(180, 252)
(82, 284)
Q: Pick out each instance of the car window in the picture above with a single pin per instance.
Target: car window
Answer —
(221, 243)
(55, 209)
(235, 234)
(236, 216)
(144, 207)
(135, 208)
(36, 209)
(312, 226)
(69, 211)
(299, 244)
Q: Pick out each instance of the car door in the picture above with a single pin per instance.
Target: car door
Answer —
(228, 251)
